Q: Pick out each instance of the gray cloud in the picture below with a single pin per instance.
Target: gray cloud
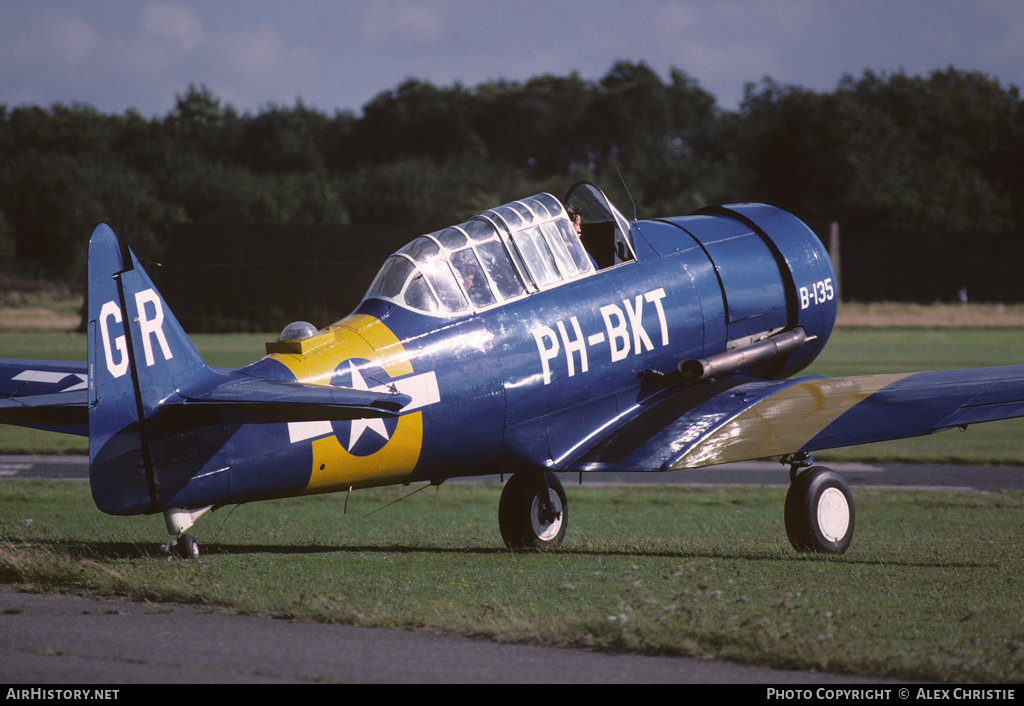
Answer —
(338, 55)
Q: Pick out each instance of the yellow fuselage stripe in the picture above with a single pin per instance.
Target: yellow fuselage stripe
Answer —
(334, 468)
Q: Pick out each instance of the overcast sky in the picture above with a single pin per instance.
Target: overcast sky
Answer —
(338, 54)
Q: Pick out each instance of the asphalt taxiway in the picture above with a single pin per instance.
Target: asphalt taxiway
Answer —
(69, 639)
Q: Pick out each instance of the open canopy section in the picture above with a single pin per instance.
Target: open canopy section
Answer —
(603, 230)
(497, 256)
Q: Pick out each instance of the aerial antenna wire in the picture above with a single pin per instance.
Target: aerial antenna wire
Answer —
(408, 495)
(319, 281)
(616, 165)
(217, 530)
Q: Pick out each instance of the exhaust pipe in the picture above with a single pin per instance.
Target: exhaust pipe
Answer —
(731, 361)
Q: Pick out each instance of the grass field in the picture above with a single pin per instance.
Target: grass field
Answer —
(930, 590)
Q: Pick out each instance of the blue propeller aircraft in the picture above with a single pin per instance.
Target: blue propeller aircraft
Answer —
(541, 336)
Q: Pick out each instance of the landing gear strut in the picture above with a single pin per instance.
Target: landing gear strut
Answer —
(179, 519)
(819, 508)
(533, 511)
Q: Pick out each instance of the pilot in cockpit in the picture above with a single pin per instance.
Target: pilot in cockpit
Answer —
(576, 218)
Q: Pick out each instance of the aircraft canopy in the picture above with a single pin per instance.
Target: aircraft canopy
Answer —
(498, 255)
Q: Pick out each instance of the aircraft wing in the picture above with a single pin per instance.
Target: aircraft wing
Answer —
(736, 420)
(47, 394)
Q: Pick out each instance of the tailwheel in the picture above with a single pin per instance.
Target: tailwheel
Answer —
(819, 512)
(188, 547)
(533, 512)
(179, 520)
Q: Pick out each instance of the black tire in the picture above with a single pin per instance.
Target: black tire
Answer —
(819, 512)
(533, 512)
(188, 547)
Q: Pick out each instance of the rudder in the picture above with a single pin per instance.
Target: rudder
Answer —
(138, 357)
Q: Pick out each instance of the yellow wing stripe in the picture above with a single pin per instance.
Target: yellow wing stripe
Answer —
(784, 422)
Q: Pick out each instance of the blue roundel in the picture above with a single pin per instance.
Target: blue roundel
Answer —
(362, 437)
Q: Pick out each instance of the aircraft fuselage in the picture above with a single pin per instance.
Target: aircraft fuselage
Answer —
(521, 384)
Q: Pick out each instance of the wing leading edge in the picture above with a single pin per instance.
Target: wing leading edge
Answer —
(737, 420)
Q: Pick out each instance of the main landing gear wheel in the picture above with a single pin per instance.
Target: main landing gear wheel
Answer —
(533, 512)
(188, 547)
(819, 512)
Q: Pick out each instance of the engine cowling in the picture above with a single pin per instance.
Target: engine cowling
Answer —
(767, 286)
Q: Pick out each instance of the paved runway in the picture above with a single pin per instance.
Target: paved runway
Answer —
(80, 640)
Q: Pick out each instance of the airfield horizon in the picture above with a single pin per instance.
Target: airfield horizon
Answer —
(39, 307)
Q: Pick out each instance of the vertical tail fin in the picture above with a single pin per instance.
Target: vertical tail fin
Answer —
(138, 356)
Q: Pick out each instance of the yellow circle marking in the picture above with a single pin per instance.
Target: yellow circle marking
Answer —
(334, 468)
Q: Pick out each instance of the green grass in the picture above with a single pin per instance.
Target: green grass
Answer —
(930, 590)
(867, 351)
(219, 350)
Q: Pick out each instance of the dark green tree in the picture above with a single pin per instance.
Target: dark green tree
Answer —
(417, 119)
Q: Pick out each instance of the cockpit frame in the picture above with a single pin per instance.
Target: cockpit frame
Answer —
(500, 255)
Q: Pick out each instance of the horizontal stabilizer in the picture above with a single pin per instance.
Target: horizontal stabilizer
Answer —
(246, 400)
(61, 411)
(45, 394)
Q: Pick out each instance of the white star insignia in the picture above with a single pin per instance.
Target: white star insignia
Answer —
(375, 424)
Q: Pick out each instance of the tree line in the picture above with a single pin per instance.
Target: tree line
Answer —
(933, 163)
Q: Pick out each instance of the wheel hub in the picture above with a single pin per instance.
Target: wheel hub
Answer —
(547, 516)
(833, 514)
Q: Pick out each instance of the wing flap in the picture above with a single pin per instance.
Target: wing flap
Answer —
(664, 426)
(785, 421)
